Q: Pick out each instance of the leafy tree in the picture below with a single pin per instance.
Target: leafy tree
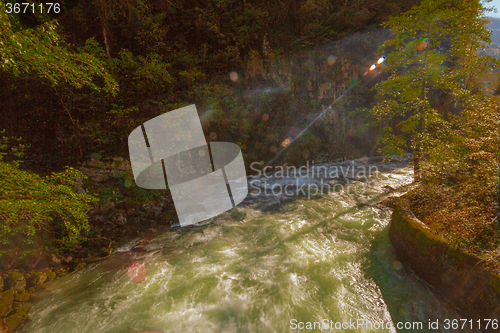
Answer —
(433, 53)
(43, 52)
(39, 212)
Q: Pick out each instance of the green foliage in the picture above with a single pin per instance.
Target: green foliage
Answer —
(225, 114)
(469, 153)
(21, 51)
(33, 207)
(434, 49)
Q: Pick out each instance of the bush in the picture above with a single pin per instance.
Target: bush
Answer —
(40, 212)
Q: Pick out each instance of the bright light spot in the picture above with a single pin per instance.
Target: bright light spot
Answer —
(137, 272)
(331, 60)
(373, 67)
(265, 117)
(233, 76)
(381, 60)
(422, 45)
(286, 142)
(397, 265)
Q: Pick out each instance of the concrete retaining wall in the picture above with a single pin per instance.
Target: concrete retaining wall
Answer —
(462, 279)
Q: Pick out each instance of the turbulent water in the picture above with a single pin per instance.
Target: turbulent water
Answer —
(325, 259)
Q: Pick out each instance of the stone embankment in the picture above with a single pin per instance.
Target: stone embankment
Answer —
(469, 284)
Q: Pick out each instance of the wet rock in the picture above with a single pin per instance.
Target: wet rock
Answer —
(79, 186)
(6, 302)
(51, 275)
(18, 281)
(13, 321)
(98, 177)
(35, 259)
(119, 217)
(22, 297)
(36, 278)
(9, 258)
(68, 259)
(80, 266)
(4, 307)
(24, 308)
(61, 271)
(55, 259)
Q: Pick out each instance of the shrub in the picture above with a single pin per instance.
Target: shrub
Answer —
(40, 212)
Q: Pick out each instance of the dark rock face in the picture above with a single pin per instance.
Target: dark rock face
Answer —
(466, 282)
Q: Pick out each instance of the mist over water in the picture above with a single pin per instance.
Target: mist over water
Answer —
(324, 258)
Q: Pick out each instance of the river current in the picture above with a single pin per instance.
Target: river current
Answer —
(266, 266)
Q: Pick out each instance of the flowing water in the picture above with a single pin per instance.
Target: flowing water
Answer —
(252, 270)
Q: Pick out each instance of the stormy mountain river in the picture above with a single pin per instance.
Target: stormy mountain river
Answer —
(273, 264)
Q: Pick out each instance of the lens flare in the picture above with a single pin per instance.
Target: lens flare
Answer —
(331, 60)
(213, 135)
(397, 265)
(265, 117)
(422, 45)
(381, 60)
(233, 76)
(137, 272)
(373, 67)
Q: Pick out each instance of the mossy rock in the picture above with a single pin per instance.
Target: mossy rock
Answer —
(18, 281)
(22, 297)
(51, 275)
(62, 271)
(13, 321)
(4, 307)
(8, 297)
(36, 278)
(80, 266)
(23, 308)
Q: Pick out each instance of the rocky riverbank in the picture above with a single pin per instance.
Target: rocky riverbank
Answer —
(123, 213)
(126, 214)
